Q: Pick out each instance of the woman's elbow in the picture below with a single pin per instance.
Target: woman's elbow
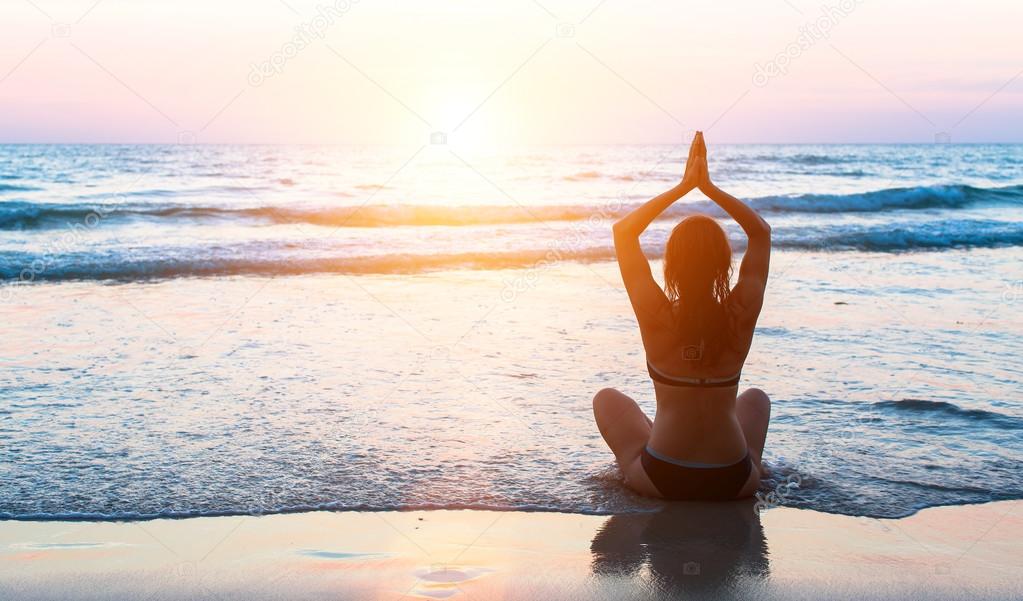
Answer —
(759, 232)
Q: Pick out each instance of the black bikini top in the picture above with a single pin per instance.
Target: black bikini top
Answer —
(659, 376)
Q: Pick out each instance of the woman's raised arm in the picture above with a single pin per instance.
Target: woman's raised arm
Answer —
(749, 290)
(648, 299)
(749, 220)
(636, 222)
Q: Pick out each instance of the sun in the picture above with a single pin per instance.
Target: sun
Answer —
(460, 114)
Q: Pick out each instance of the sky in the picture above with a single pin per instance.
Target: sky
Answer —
(510, 72)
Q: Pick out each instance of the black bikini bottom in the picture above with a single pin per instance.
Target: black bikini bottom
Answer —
(680, 482)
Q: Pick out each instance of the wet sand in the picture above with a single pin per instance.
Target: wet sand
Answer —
(716, 551)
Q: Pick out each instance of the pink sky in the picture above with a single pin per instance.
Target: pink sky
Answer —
(511, 72)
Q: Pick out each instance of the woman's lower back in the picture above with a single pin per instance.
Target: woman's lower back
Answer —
(698, 425)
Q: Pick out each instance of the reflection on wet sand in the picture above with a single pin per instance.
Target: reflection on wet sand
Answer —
(684, 547)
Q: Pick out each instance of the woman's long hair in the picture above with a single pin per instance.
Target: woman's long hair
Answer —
(697, 277)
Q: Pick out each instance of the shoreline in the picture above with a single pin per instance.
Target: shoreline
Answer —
(717, 550)
(99, 518)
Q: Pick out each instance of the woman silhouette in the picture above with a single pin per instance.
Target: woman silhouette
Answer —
(709, 549)
(707, 440)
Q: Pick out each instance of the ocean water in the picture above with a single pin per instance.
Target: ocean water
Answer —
(200, 330)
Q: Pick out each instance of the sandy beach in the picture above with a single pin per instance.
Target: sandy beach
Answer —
(353, 300)
(683, 551)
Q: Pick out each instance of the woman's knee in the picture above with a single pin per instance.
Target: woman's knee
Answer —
(611, 405)
(757, 393)
(604, 398)
(757, 397)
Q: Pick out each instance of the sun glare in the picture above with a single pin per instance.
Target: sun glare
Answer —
(455, 112)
